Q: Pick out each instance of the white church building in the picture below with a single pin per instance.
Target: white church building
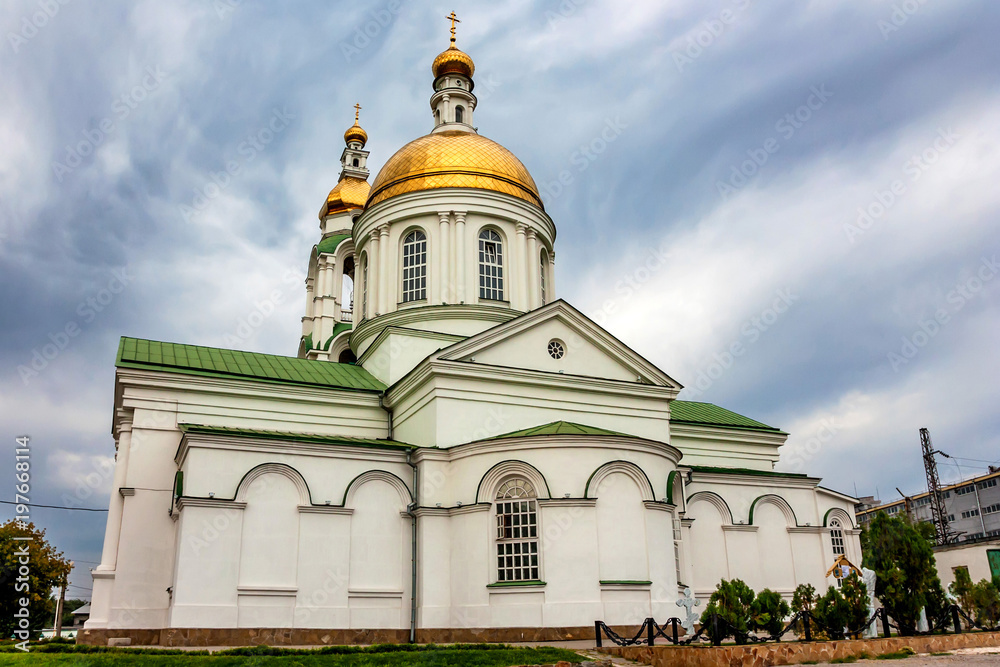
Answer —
(457, 455)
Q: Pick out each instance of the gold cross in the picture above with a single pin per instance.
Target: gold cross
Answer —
(357, 111)
(453, 20)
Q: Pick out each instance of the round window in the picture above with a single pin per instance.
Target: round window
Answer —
(556, 349)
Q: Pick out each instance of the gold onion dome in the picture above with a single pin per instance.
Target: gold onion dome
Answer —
(349, 193)
(453, 159)
(453, 61)
(355, 133)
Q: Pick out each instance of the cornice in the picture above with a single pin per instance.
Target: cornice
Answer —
(325, 509)
(567, 502)
(455, 510)
(813, 530)
(403, 331)
(740, 528)
(660, 506)
(189, 501)
(532, 442)
(750, 480)
(706, 432)
(437, 312)
(272, 446)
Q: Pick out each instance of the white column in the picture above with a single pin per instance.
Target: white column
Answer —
(460, 253)
(550, 286)
(518, 275)
(113, 531)
(444, 289)
(387, 266)
(532, 275)
(373, 271)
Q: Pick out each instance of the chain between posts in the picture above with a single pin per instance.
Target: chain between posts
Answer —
(650, 629)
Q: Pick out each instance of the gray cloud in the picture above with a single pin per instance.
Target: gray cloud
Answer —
(558, 76)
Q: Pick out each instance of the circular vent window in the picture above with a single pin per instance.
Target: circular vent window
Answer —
(556, 349)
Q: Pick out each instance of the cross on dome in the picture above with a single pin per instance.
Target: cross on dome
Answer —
(454, 20)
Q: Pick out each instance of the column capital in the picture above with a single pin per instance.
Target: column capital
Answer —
(373, 235)
(383, 229)
(532, 234)
(444, 216)
(552, 257)
(521, 227)
(460, 215)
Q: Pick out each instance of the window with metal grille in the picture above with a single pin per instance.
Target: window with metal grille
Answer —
(517, 532)
(490, 265)
(414, 266)
(837, 537)
(543, 260)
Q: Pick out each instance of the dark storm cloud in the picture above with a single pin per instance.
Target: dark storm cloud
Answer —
(596, 94)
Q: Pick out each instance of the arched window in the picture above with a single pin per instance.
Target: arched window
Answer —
(459, 114)
(490, 265)
(543, 262)
(364, 288)
(517, 532)
(414, 266)
(837, 537)
(437, 116)
(356, 162)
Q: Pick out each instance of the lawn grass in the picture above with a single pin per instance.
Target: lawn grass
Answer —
(372, 656)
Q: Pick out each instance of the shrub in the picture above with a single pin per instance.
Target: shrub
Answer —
(903, 561)
(731, 601)
(855, 594)
(961, 588)
(985, 599)
(768, 612)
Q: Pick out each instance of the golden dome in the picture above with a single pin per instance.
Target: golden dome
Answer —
(453, 61)
(349, 193)
(355, 133)
(453, 159)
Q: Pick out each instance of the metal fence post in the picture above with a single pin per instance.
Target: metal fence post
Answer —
(673, 622)
(886, 630)
(955, 619)
(597, 632)
(716, 640)
(650, 631)
(805, 624)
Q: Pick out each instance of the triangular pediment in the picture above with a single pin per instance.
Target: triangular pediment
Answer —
(533, 341)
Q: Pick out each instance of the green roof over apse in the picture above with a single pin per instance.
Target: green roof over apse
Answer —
(707, 414)
(330, 243)
(313, 438)
(558, 428)
(216, 362)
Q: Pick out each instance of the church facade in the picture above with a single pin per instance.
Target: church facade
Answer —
(456, 455)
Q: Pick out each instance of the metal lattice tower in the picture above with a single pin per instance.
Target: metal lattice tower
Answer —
(938, 513)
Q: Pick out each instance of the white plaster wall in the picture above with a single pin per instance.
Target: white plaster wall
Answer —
(621, 530)
(973, 557)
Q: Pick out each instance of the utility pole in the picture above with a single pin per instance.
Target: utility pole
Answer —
(59, 608)
(939, 515)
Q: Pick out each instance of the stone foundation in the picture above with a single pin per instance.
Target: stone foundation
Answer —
(168, 637)
(792, 653)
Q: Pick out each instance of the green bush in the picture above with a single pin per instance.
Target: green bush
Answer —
(768, 612)
(985, 599)
(731, 601)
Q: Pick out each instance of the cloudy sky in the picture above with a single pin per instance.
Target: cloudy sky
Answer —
(791, 207)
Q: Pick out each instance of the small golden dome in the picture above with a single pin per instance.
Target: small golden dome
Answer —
(453, 61)
(349, 193)
(355, 133)
(453, 159)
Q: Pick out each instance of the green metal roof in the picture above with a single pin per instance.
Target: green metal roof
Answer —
(297, 437)
(718, 470)
(330, 243)
(558, 428)
(215, 362)
(707, 414)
